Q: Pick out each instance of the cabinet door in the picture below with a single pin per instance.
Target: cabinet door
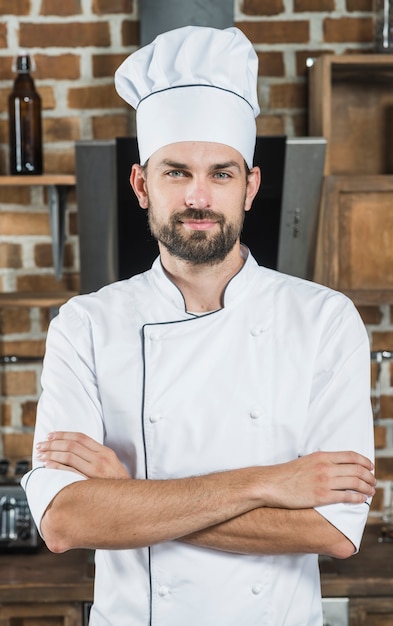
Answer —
(67, 614)
(371, 611)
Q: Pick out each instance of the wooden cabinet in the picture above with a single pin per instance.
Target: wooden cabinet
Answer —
(366, 579)
(37, 614)
(371, 612)
(351, 106)
(45, 589)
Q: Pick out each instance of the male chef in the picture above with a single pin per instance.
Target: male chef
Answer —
(204, 426)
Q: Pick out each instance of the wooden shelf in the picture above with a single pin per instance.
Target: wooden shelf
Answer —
(68, 180)
(44, 300)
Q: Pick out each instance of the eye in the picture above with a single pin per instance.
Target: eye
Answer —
(175, 174)
(222, 175)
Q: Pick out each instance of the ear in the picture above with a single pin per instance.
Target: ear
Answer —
(138, 183)
(253, 184)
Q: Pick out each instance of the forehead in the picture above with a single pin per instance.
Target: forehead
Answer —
(197, 154)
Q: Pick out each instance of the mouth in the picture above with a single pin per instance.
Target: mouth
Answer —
(198, 224)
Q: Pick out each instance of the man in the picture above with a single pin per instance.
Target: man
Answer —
(205, 426)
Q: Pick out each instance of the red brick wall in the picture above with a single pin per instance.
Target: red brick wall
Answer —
(77, 46)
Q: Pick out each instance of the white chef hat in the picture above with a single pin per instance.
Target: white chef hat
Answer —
(193, 84)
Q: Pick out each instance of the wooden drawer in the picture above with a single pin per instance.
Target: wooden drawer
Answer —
(351, 105)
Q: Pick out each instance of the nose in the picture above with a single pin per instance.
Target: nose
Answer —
(197, 195)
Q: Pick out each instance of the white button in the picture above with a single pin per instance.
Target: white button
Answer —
(256, 413)
(256, 589)
(154, 336)
(155, 417)
(256, 331)
(163, 591)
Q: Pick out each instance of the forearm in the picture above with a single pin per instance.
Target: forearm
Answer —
(275, 531)
(121, 514)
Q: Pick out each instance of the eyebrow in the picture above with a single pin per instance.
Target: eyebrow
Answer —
(213, 168)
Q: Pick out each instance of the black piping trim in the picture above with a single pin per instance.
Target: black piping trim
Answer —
(32, 472)
(194, 85)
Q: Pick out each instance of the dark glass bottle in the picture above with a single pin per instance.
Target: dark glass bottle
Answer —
(24, 115)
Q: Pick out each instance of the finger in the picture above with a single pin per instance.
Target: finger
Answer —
(353, 458)
(79, 437)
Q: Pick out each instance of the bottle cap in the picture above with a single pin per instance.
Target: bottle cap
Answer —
(23, 63)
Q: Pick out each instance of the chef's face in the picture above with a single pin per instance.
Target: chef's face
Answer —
(196, 194)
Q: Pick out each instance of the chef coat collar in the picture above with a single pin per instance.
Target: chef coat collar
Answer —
(235, 286)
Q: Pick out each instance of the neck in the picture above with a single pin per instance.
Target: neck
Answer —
(202, 286)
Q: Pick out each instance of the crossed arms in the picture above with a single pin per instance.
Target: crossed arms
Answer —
(259, 510)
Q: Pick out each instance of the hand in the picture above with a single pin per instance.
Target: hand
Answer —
(79, 453)
(318, 479)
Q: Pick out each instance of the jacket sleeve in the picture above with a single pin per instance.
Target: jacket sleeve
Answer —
(69, 401)
(340, 411)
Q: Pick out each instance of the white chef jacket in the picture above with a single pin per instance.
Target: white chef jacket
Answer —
(280, 371)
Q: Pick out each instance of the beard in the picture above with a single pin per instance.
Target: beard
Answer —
(197, 247)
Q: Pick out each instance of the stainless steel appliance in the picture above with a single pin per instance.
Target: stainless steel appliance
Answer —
(17, 529)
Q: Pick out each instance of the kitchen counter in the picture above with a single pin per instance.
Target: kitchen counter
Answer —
(68, 577)
(41, 575)
(368, 573)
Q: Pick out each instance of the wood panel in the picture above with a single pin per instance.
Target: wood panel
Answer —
(355, 235)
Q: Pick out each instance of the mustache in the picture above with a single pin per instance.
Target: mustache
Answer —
(197, 214)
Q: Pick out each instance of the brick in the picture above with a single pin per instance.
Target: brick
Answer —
(356, 29)
(29, 410)
(17, 446)
(359, 5)
(382, 340)
(15, 7)
(288, 96)
(270, 125)
(47, 283)
(6, 71)
(391, 374)
(68, 35)
(33, 348)
(61, 129)
(370, 314)
(103, 7)
(48, 97)
(384, 468)
(65, 7)
(374, 374)
(10, 255)
(263, 7)
(13, 223)
(300, 124)
(313, 5)
(18, 383)
(110, 126)
(5, 414)
(271, 64)
(3, 36)
(14, 320)
(105, 65)
(15, 195)
(73, 222)
(59, 161)
(44, 319)
(97, 97)
(303, 55)
(4, 131)
(130, 35)
(43, 255)
(59, 66)
(380, 437)
(285, 31)
(386, 407)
